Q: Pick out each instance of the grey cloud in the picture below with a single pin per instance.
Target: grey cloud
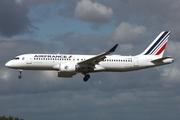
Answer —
(126, 33)
(92, 43)
(93, 12)
(155, 16)
(16, 47)
(173, 48)
(91, 104)
(34, 2)
(145, 94)
(14, 18)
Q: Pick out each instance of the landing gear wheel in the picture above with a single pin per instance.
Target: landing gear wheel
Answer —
(86, 77)
(20, 76)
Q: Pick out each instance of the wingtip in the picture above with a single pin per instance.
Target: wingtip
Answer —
(113, 48)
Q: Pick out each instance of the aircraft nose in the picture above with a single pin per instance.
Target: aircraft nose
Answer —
(8, 64)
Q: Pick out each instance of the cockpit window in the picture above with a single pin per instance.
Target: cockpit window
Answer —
(16, 58)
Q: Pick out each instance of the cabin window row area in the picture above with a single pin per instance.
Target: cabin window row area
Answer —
(117, 60)
(51, 59)
(110, 60)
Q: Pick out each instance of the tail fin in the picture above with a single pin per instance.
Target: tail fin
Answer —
(158, 46)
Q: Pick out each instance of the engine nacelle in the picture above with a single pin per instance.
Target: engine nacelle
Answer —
(67, 67)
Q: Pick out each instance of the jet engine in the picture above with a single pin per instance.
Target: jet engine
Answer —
(67, 67)
(67, 70)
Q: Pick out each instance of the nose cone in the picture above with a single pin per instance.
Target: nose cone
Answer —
(8, 64)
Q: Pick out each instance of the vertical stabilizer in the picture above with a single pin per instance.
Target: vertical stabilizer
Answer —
(158, 46)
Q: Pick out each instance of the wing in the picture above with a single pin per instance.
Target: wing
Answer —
(91, 62)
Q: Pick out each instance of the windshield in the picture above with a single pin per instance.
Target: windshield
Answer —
(16, 58)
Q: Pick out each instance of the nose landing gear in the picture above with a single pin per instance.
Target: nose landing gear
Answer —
(20, 76)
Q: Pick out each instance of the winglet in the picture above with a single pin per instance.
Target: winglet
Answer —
(113, 49)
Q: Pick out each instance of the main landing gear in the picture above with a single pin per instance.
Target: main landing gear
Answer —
(20, 76)
(86, 77)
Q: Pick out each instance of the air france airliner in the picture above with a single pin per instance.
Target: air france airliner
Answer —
(68, 65)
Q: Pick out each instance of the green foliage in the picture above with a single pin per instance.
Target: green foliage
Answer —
(9, 118)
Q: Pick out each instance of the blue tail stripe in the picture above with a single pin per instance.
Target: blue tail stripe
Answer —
(156, 43)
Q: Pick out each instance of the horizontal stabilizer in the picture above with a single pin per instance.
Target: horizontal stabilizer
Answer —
(161, 59)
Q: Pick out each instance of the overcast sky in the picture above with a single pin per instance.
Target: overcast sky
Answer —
(89, 27)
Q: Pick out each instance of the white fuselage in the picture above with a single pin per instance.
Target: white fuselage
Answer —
(114, 63)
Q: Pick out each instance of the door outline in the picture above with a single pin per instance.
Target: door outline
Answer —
(29, 59)
(136, 63)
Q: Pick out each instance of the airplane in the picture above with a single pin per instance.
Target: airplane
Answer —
(68, 65)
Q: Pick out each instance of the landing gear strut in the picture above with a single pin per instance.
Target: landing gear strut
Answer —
(86, 77)
(20, 76)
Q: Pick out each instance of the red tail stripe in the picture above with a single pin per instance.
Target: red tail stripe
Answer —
(162, 48)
